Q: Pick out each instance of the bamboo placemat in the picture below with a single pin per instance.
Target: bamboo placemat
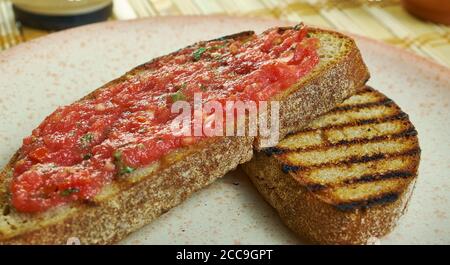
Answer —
(380, 19)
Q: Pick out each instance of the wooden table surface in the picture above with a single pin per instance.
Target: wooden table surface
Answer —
(385, 20)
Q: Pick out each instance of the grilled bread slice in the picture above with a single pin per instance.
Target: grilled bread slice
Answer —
(346, 178)
(129, 203)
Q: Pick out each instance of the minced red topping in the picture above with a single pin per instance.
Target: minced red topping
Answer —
(82, 147)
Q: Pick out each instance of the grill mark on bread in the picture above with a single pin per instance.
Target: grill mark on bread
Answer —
(397, 117)
(342, 172)
(273, 151)
(354, 115)
(290, 168)
(382, 102)
(409, 132)
(343, 152)
(362, 191)
(362, 179)
(413, 151)
(370, 103)
(382, 199)
(351, 160)
(403, 128)
(372, 178)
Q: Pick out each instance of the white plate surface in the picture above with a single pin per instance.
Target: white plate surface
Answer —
(40, 75)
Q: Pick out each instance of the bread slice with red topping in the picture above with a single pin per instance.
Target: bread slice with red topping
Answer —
(117, 176)
(347, 177)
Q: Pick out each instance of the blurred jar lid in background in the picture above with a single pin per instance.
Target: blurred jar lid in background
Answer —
(433, 10)
(61, 14)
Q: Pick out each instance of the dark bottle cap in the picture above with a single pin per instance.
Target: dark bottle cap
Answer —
(58, 22)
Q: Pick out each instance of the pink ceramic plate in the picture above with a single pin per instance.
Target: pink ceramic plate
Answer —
(40, 75)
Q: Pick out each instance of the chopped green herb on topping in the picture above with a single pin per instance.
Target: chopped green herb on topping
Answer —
(87, 156)
(123, 169)
(178, 96)
(69, 191)
(198, 53)
(298, 26)
(126, 170)
(86, 139)
(202, 87)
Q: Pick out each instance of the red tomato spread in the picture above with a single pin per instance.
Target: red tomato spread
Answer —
(80, 148)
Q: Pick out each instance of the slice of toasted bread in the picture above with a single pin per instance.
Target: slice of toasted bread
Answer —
(347, 176)
(126, 205)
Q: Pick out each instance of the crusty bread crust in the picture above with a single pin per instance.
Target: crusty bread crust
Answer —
(136, 204)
